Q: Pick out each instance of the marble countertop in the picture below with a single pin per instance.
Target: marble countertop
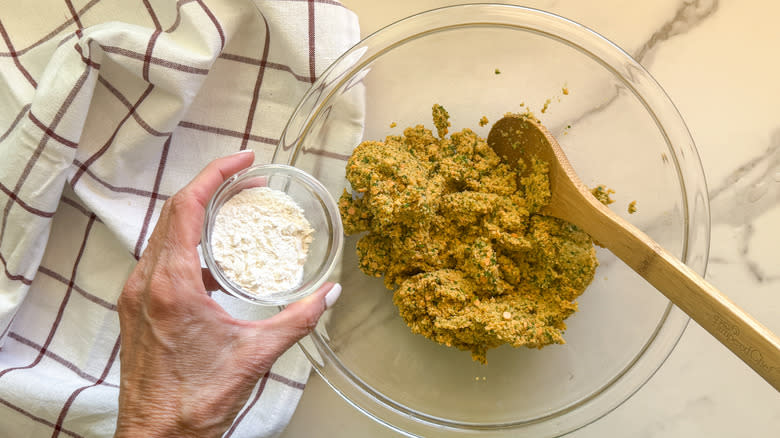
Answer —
(717, 61)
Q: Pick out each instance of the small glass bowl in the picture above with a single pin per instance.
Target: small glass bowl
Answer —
(319, 208)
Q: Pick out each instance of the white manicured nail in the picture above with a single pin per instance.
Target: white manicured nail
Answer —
(245, 151)
(333, 294)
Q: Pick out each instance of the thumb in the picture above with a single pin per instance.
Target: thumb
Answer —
(297, 320)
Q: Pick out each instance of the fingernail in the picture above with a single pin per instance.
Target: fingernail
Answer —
(245, 151)
(333, 294)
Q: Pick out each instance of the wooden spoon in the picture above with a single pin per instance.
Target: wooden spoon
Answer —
(519, 137)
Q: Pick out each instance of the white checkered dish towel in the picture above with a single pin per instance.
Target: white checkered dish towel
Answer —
(107, 108)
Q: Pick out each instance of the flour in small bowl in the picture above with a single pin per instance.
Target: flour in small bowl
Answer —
(261, 239)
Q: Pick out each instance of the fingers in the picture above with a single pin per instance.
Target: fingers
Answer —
(186, 209)
(215, 173)
(287, 327)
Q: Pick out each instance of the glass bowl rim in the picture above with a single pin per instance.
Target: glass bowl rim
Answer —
(641, 84)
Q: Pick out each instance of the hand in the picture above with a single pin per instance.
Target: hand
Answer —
(187, 366)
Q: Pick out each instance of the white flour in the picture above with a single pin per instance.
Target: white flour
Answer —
(261, 240)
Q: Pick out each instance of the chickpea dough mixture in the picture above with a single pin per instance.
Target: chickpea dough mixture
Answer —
(458, 236)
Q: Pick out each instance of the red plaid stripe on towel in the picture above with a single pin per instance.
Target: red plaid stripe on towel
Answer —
(107, 107)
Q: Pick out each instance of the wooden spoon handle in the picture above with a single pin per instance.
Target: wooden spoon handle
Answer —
(755, 344)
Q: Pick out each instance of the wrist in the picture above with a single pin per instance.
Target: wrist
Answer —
(149, 426)
(150, 419)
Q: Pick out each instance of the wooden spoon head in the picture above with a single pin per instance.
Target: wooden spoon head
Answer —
(518, 137)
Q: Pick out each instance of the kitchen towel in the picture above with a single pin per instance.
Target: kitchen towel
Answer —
(107, 108)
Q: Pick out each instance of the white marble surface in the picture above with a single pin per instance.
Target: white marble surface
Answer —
(718, 62)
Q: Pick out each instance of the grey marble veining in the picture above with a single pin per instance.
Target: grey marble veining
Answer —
(752, 187)
(688, 15)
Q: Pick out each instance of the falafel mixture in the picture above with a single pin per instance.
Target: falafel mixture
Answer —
(458, 236)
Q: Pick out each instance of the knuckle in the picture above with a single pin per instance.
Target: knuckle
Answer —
(128, 298)
(180, 203)
(132, 287)
(124, 304)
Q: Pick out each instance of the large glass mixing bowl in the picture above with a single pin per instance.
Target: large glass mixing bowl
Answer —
(617, 127)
